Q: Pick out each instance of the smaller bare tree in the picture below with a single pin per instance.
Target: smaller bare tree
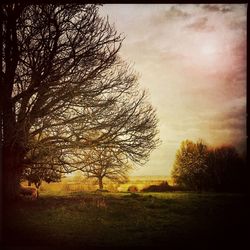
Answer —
(107, 162)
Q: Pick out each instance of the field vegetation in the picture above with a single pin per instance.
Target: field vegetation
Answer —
(73, 219)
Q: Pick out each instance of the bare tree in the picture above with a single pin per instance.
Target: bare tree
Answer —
(62, 81)
(52, 56)
(107, 163)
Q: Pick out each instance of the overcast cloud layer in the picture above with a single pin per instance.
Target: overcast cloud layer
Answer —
(192, 61)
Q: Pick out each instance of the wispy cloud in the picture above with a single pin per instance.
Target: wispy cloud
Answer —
(237, 24)
(224, 8)
(175, 12)
(200, 24)
(234, 119)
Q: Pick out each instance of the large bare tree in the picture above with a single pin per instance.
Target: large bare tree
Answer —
(51, 56)
(61, 81)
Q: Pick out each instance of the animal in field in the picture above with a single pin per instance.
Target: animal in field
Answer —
(28, 192)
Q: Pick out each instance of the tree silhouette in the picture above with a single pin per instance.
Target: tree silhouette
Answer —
(62, 80)
(198, 167)
(107, 163)
(190, 167)
(227, 169)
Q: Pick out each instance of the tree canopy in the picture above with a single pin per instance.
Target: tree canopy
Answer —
(190, 165)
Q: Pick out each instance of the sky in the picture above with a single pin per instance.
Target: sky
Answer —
(191, 59)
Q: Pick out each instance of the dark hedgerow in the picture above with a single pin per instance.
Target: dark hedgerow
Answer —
(163, 187)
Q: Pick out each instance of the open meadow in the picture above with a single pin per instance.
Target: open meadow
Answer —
(122, 220)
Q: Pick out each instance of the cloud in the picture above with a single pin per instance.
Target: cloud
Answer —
(232, 119)
(236, 79)
(200, 24)
(224, 8)
(231, 124)
(175, 12)
(237, 25)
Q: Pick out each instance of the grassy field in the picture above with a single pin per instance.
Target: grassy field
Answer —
(122, 220)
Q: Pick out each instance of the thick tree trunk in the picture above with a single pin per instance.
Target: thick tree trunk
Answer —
(12, 162)
(12, 153)
(100, 183)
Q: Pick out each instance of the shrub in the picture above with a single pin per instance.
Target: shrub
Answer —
(163, 187)
(30, 192)
(132, 189)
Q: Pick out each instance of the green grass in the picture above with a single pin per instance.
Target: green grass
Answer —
(127, 220)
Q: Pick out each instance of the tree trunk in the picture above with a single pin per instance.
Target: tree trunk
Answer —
(38, 184)
(12, 153)
(12, 159)
(100, 183)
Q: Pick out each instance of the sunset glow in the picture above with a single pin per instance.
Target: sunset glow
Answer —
(192, 60)
(209, 50)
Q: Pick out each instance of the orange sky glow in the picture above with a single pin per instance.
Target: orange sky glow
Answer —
(192, 61)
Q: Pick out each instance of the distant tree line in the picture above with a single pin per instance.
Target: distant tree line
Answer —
(201, 168)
